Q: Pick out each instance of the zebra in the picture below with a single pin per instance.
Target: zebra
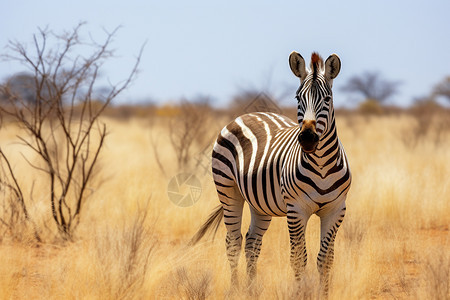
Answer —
(283, 168)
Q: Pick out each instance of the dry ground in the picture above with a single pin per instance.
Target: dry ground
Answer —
(394, 242)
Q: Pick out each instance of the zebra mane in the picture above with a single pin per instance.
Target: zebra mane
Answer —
(316, 64)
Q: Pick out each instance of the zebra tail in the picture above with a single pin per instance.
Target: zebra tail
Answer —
(212, 224)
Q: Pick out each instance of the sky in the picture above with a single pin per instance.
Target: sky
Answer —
(199, 49)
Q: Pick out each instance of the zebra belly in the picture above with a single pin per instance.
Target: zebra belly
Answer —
(263, 195)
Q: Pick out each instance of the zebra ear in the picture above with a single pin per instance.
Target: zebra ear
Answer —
(297, 64)
(332, 66)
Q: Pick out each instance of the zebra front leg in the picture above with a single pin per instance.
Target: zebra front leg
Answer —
(297, 227)
(330, 220)
(253, 241)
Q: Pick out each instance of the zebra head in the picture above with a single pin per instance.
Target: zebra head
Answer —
(315, 107)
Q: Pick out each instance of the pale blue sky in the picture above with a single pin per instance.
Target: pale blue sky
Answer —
(202, 48)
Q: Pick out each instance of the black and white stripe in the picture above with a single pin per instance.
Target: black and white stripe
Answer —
(283, 168)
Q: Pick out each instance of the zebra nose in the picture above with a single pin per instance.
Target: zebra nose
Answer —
(308, 136)
(308, 140)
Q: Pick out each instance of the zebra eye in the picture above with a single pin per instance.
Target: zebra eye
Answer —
(327, 99)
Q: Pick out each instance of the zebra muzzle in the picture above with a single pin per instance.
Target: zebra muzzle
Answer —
(308, 137)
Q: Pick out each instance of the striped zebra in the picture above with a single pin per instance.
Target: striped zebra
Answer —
(283, 168)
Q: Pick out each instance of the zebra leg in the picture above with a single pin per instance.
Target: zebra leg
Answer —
(232, 213)
(253, 241)
(329, 224)
(297, 227)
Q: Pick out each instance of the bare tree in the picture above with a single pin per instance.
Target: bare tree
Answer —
(443, 89)
(371, 86)
(62, 125)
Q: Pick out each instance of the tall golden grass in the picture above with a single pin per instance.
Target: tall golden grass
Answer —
(132, 241)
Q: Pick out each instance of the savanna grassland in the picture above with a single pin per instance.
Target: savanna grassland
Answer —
(131, 242)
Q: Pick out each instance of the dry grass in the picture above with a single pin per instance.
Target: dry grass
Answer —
(394, 242)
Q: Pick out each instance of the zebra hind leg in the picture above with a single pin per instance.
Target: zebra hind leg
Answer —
(329, 225)
(233, 203)
(253, 241)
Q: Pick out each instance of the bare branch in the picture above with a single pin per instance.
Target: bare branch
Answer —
(17, 190)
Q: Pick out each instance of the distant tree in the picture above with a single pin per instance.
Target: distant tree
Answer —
(23, 89)
(19, 86)
(371, 86)
(443, 89)
(60, 116)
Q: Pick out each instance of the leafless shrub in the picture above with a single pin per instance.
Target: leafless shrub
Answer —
(370, 107)
(437, 276)
(401, 280)
(188, 125)
(155, 142)
(187, 129)
(305, 288)
(61, 123)
(192, 286)
(431, 123)
(138, 251)
(353, 232)
(124, 255)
